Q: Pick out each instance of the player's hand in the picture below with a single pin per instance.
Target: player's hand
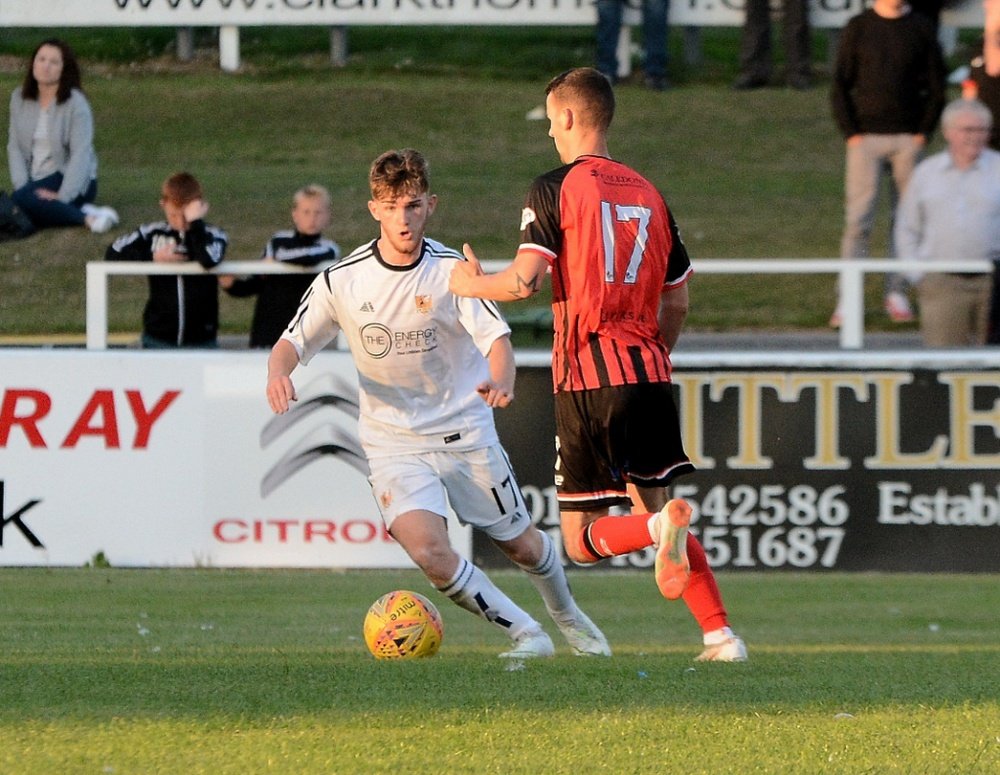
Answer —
(280, 391)
(47, 194)
(496, 396)
(167, 254)
(195, 210)
(462, 279)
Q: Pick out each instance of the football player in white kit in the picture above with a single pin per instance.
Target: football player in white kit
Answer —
(431, 368)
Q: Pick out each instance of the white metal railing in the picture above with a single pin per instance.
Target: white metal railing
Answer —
(851, 275)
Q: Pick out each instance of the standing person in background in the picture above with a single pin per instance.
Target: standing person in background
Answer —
(887, 93)
(951, 210)
(431, 369)
(50, 147)
(278, 295)
(182, 310)
(619, 300)
(983, 82)
(654, 40)
(755, 45)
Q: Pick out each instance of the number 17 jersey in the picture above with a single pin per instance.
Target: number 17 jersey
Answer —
(613, 247)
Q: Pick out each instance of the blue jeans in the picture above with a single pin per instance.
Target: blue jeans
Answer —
(654, 36)
(52, 212)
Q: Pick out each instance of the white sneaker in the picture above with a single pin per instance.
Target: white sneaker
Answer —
(110, 213)
(530, 644)
(730, 650)
(584, 637)
(898, 308)
(672, 567)
(101, 219)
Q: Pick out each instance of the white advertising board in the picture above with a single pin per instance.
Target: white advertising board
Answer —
(241, 13)
(160, 460)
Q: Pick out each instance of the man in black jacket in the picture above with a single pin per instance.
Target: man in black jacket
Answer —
(182, 310)
(887, 94)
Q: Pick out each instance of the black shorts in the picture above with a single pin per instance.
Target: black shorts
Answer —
(608, 437)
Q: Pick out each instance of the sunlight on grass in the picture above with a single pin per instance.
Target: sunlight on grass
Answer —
(204, 671)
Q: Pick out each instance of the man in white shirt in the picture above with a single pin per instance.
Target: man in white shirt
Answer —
(951, 210)
(431, 369)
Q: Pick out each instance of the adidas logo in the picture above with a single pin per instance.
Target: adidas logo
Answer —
(367, 307)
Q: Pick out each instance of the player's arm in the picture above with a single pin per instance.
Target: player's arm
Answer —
(499, 390)
(991, 38)
(280, 365)
(672, 313)
(521, 279)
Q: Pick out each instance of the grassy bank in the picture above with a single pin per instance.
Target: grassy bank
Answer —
(749, 175)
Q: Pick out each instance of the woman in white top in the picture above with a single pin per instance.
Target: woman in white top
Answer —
(50, 148)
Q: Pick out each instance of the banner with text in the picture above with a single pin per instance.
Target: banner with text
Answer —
(800, 469)
(240, 13)
(174, 459)
(166, 459)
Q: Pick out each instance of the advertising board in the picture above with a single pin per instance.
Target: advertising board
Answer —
(859, 462)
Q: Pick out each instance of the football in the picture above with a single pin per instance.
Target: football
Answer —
(403, 625)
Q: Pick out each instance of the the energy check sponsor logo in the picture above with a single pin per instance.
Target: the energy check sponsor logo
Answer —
(378, 340)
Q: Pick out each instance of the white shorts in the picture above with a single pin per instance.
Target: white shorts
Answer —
(478, 484)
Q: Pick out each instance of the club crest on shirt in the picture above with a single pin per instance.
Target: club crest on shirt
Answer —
(385, 499)
(424, 305)
(527, 216)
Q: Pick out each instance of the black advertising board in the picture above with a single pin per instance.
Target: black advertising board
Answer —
(812, 462)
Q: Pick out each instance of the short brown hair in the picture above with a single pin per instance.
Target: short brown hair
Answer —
(181, 188)
(395, 173)
(589, 91)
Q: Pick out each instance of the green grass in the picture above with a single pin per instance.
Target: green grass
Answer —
(210, 671)
(749, 175)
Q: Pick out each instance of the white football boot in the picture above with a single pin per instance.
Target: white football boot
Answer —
(530, 644)
(584, 637)
(723, 646)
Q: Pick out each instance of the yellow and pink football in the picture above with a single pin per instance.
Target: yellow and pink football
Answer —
(403, 625)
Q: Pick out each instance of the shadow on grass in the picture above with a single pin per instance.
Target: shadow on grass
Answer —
(272, 683)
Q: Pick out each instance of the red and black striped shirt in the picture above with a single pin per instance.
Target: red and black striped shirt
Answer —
(613, 247)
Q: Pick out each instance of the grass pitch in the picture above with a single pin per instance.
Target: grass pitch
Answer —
(219, 671)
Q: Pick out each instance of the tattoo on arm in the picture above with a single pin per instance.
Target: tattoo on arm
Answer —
(525, 288)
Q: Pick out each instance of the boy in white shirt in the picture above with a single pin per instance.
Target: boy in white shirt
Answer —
(431, 369)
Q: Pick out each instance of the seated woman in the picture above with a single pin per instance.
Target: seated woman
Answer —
(53, 167)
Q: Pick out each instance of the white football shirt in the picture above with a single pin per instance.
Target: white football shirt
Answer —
(419, 350)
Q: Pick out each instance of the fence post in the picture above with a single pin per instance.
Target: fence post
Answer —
(185, 44)
(852, 299)
(338, 46)
(229, 48)
(97, 307)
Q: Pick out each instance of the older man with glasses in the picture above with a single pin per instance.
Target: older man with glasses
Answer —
(951, 210)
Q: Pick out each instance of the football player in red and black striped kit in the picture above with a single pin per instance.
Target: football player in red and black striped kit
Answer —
(619, 299)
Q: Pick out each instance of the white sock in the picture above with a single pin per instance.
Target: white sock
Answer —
(472, 589)
(550, 581)
(716, 637)
(653, 526)
(89, 209)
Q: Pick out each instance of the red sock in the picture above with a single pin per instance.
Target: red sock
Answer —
(613, 536)
(702, 594)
